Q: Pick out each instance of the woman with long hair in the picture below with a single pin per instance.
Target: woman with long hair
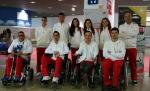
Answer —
(105, 29)
(74, 39)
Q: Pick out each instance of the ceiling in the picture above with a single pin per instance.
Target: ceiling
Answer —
(53, 7)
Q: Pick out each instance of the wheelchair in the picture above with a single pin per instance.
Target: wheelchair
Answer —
(27, 73)
(51, 67)
(81, 74)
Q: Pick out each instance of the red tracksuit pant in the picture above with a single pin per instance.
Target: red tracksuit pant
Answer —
(40, 52)
(47, 60)
(131, 55)
(116, 67)
(18, 65)
(73, 64)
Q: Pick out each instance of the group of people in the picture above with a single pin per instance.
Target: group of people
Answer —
(112, 46)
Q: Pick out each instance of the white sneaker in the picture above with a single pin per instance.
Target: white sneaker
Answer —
(55, 79)
(45, 78)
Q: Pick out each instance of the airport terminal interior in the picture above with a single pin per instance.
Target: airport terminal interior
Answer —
(28, 15)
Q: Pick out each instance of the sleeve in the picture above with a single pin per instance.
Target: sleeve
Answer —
(105, 51)
(69, 38)
(80, 50)
(97, 37)
(49, 50)
(10, 49)
(121, 34)
(28, 48)
(50, 33)
(65, 49)
(134, 32)
(68, 33)
(95, 50)
(121, 52)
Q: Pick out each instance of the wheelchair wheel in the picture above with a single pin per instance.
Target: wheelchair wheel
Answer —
(4, 83)
(23, 81)
(91, 85)
(31, 74)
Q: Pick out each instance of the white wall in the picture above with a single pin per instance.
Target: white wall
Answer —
(36, 22)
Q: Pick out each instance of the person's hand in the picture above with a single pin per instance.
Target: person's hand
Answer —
(57, 54)
(20, 53)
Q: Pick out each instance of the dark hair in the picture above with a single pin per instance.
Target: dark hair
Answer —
(101, 25)
(56, 32)
(72, 28)
(127, 12)
(21, 32)
(61, 13)
(87, 32)
(85, 28)
(7, 31)
(44, 17)
(115, 29)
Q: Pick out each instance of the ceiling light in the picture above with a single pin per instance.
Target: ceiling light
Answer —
(32, 2)
(74, 6)
(50, 7)
(73, 9)
(59, 0)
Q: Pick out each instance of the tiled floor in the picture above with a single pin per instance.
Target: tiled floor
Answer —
(143, 85)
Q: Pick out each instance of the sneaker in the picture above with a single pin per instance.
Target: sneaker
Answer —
(134, 82)
(6, 78)
(17, 79)
(46, 78)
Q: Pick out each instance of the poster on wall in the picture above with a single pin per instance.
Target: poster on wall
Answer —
(139, 14)
(10, 16)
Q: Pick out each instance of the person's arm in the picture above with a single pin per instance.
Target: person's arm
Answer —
(121, 32)
(134, 32)
(28, 47)
(121, 52)
(80, 50)
(95, 52)
(65, 49)
(49, 50)
(106, 52)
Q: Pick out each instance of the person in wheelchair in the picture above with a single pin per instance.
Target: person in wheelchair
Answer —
(87, 52)
(54, 54)
(114, 52)
(19, 51)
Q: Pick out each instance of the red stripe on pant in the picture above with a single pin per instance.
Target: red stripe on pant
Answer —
(47, 60)
(19, 66)
(131, 54)
(40, 52)
(116, 67)
(73, 64)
